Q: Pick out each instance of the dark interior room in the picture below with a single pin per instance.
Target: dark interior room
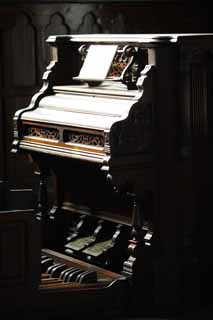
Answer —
(105, 159)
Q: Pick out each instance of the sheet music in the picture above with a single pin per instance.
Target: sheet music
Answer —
(97, 63)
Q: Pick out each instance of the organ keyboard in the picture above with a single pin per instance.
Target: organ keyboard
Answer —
(109, 133)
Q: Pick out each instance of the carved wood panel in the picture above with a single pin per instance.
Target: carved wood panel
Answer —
(19, 261)
(23, 54)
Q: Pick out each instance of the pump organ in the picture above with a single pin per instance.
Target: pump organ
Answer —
(110, 128)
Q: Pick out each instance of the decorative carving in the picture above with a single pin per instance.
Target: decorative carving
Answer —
(84, 138)
(125, 66)
(46, 133)
(83, 51)
(106, 142)
(141, 239)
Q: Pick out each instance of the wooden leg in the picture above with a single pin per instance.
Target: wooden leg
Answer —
(42, 204)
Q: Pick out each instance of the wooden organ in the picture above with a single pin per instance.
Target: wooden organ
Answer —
(112, 135)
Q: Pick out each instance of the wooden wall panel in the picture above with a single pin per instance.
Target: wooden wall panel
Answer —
(23, 52)
(89, 24)
(19, 255)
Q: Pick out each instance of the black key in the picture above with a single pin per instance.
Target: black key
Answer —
(54, 267)
(65, 273)
(49, 270)
(72, 276)
(46, 263)
(55, 273)
(88, 276)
